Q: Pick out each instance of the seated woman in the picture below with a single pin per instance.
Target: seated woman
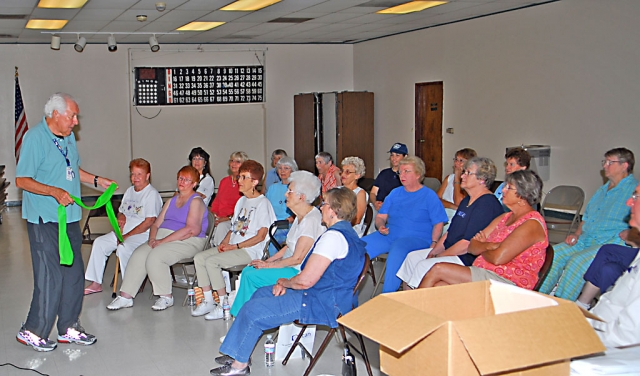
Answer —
(514, 249)
(228, 194)
(410, 218)
(178, 233)
(276, 194)
(304, 188)
(475, 212)
(140, 207)
(244, 242)
(388, 179)
(199, 160)
(322, 290)
(450, 192)
(610, 263)
(352, 170)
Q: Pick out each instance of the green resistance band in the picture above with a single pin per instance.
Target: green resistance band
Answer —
(66, 253)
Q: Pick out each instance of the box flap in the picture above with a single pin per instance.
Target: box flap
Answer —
(391, 323)
(508, 298)
(526, 338)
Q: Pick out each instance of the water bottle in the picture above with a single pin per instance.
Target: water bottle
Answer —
(269, 351)
(226, 309)
(191, 298)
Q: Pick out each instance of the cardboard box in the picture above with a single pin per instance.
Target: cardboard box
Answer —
(479, 328)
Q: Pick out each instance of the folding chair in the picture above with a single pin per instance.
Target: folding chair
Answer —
(432, 183)
(542, 274)
(561, 211)
(87, 236)
(314, 358)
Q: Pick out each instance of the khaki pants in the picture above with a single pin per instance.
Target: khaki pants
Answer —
(209, 265)
(155, 263)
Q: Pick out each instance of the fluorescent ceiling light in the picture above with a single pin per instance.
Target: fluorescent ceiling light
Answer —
(410, 7)
(70, 4)
(46, 24)
(199, 26)
(249, 5)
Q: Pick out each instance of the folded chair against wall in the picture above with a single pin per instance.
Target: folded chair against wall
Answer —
(314, 358)
(561, 211)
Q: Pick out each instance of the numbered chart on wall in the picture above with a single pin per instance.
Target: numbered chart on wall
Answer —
(164, 86)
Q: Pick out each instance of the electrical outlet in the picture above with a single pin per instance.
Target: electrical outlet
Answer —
(450, 130)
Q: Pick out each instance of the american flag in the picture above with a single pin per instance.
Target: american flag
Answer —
(21, 119)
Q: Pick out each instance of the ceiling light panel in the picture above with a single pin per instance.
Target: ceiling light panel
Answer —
(410, 7)
(199, 26)
(249, 5)
(46, 24)
(69, 4)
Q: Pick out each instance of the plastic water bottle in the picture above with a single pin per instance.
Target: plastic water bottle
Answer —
(226, 309)
(269, 351)
(191, 298)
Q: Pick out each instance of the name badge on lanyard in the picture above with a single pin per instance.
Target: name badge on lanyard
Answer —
(70, 174)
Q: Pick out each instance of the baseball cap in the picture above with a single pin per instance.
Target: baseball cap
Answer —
(399, 149)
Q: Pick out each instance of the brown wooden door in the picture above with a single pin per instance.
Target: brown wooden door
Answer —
(428, 129)
(355, 128)
(304, 132)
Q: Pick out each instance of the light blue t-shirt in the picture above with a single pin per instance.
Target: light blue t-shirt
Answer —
(276, 196)
(413, 214)
(41, 160)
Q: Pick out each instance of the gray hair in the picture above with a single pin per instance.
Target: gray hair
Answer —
(240, 155)
(528, 185)
(288, 161)
(486, 171)
(343, 201)
(418, 164)
(624, 155)
(356, 162)
(307, 184)
(279, 152)
(326, 156)
(57, 102)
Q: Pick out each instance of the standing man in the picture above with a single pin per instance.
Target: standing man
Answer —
(328, 173)
(49, 173)
(389, 178)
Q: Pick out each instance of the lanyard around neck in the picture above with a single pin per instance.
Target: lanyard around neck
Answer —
(64, 153)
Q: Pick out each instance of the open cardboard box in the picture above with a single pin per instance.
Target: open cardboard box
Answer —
(478, 328)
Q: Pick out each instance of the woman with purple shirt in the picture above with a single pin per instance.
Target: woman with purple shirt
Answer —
(177, 233)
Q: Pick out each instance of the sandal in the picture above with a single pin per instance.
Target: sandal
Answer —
(89, 291)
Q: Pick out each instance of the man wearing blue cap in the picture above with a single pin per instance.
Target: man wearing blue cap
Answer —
(388, 178)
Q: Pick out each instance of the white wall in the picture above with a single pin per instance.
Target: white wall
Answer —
(564, 74)
(100, 81)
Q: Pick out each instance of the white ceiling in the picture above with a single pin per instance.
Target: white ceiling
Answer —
(331, 21)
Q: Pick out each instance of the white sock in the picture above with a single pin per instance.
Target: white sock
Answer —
(586, 306)
(208, 296)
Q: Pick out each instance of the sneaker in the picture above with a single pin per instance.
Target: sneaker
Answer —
(163, 303)
(226, 360)
(76, 334)
(203, 308)
(39, 344)
(215, 314)
(227, 370)
(120, 302)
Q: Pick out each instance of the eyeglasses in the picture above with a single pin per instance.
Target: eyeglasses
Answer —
(606, 162)
(459, 160)
(510, 188)
(243, 177)
(289, 191)
(347, 172)
(184, 180)
(197, 159)
(634, 197)
(466, 172)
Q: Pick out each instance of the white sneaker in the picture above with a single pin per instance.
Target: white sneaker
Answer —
(163, 303)
(215, 314)
(203, 308)
(120, 302)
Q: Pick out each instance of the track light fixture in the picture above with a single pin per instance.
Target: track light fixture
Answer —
(55, 42)
(79, 46)
(153, 44)
(111, 43)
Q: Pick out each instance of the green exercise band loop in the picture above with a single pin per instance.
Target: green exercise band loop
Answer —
(66, 252)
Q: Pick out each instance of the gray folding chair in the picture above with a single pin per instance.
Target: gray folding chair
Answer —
(561, 210)
(432, 183)
(191, 277)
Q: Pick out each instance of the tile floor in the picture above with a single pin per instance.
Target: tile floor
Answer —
(134, 341)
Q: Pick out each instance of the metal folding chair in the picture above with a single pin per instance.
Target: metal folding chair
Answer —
(561, 211)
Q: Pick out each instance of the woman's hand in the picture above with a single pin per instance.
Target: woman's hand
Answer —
(571, 239)
(259, 264)
(221, 219)
(279, 288)
(154, 243)
(224, 247)
(480, 236)
(378, 205)
(384, 230)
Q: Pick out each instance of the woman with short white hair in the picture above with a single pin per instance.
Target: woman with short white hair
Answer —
(353, 169)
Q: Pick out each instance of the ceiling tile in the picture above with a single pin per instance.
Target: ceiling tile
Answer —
(109, 4)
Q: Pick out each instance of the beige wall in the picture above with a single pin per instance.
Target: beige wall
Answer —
(101, 83)
(564, 74)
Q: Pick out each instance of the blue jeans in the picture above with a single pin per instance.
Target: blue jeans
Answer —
(398, 249)
(263, 311)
